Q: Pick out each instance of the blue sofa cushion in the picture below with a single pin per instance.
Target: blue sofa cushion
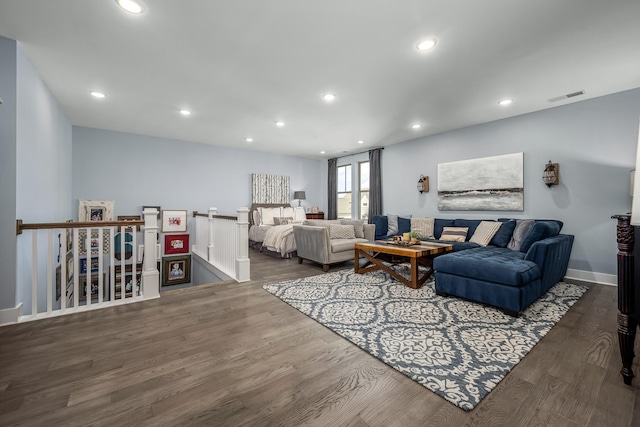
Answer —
(404, 225)
(439, 224)
(382, 226)
(471, 224)
(490, 264)
(502, 237)
(540, 230)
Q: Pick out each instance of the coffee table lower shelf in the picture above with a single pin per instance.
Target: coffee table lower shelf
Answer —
(417, 255)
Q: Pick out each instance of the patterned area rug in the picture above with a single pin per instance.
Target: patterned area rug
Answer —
(458, 349)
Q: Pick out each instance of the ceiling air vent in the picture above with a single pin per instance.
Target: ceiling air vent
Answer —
(567, 96)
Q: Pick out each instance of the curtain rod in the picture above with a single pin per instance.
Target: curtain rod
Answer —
(360, 152)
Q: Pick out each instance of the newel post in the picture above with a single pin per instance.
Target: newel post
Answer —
(150, 273)
(243, 270)
(211, 244)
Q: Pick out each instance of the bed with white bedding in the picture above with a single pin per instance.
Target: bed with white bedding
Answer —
(271, 229)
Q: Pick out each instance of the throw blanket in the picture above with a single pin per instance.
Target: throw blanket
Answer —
(275, 238)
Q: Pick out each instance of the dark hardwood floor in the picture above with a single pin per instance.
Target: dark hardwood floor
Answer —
(234, 355)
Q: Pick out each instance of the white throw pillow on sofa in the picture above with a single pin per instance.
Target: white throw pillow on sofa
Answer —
(485, 232)
(423, 226)
(339, 231)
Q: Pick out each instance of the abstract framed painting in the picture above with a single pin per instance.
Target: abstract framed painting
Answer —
(483, 184)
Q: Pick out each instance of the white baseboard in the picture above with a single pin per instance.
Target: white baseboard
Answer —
(10, 315)
(590, 276)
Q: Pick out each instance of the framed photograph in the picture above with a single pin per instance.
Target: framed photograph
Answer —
(94, 286)
(176, 270)
(174, 221)
(95, 210)
(176, 244)
(128, 245)
(130, 218)
(94, 265)
(69, 232)
(314, 209)
(94, 242)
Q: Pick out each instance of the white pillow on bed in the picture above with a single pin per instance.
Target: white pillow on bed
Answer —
(267, 215)
(287, 211)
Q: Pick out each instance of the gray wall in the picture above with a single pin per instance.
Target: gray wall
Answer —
(594, 142)
(43, 168)
(8, 71)
(137, 170)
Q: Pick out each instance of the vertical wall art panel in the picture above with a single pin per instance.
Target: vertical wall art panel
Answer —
(270, 188)
(489, 184)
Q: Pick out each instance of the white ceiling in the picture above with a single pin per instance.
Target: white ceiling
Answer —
(241, 65)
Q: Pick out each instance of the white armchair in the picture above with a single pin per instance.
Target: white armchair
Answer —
(318, 241)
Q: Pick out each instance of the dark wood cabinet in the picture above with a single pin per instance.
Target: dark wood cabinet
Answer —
(317, 215)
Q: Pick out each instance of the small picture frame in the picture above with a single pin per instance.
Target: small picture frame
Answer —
(94, 242)
(95, 210)
(94, 286)
(128, 245)
(130, 218)
(314, 209)
(174, 221)
(176, 244)
(94, 265)
(176, 270)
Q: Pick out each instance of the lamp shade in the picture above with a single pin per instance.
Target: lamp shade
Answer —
(299, 195)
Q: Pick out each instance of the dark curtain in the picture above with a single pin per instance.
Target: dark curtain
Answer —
(333, 189)
(375, 184)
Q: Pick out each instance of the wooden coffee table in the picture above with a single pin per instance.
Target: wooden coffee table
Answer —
(422, 254)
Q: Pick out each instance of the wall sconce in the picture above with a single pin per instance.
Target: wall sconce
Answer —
(299, 195)
(423, 184)
(551, 176)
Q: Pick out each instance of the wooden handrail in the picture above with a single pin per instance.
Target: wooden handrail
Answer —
(196, 213)
(20, 226)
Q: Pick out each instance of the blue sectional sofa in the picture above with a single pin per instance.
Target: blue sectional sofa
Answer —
(523, 260)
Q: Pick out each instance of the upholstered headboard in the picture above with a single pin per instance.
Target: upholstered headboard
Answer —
(254, 219)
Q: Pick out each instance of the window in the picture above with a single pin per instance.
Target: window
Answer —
(363, 208)
(356, 172)
(344, 191)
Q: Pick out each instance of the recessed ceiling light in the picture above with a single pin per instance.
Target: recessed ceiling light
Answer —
(185, 112)
(426, 44)
(505, 102)
(328, 97)
(416, 126)
(130, 6)
(279, 124)
(361, 142)
(249, 139)
(98, 95)
(322, 152)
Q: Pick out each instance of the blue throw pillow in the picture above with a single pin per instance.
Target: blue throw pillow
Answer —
(382, 226)
(503, 236)
(471, 224)
(404, 225)
(540, 230)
